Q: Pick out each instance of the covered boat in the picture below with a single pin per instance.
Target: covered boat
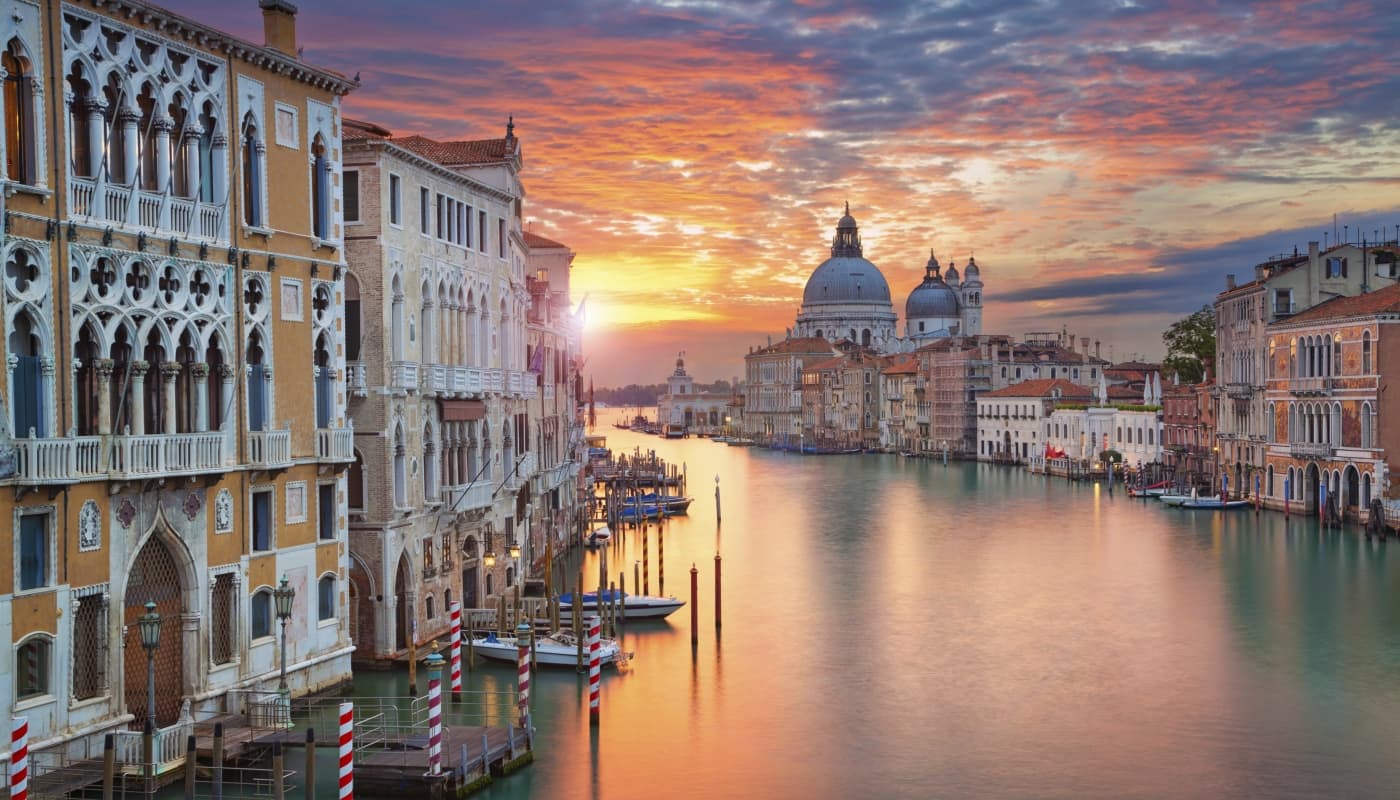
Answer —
(555, 650)
(636, 606)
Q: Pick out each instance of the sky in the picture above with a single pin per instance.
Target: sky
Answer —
(1106, 162)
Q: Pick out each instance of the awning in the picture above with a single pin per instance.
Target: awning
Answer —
(462, 410)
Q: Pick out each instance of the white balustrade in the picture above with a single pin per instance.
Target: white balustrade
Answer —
(57, 460)
(168, 747)
(148, 210)
(403, 375)
(270, 448)
(156, 211)
(80, 193)
(181, 215)
(437, 378)
(335, 444)
(166, 454)
(359, 378)
(211, 221)
(470, 498)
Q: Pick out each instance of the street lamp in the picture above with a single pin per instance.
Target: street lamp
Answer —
(283, 596)
(149, 624)
(489, 557)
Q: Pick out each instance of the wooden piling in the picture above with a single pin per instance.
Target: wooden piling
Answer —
(501, 615)
(660, 561)
(191, 764)
(148, 756)
(646, 563)
(718, 516)
(694, 606)
(636, 573)
(279, 790)
(109, 765)
(216, 771)
(412, 655)
(310, 783)
(717, 591)
(576, 611)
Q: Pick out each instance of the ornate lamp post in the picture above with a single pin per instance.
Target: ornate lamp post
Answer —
(283, 596)
(149, 624)
(489, 557)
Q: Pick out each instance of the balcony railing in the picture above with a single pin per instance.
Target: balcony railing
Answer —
(435, 379)
(1239, 390)
(157, 211)
(403, 375)
(166, 454)
(359, 378)
(335, 444)
(1310, 386)
(270, 449)
(469, 498)
(58, 460)
(1310, 449)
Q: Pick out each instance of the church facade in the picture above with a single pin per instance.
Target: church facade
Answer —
(848, 299)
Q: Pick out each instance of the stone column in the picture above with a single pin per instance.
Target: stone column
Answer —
(192, 136)
(94, 112)
(104, 368)
(218, 182)
(131, 127)
(169, 370)
(162, 128)
(226, 410)
(199, 372)
(137, 400)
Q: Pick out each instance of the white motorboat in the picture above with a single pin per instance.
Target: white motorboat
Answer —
(555, 650)
(635, 606)
(1174, 499)
(599, 537)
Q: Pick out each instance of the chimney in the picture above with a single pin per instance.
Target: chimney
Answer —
(280, 25)
(1084, 344)
(1312, 250)
(1229, 281)
(1096, 349)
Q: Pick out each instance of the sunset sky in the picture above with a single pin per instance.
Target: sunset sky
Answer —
(1107, 162)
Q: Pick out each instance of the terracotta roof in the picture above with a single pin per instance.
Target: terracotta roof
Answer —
(810, 345)
(1041, 387)
(1381, 301)
(354, 130)
(902, 365)
(1124, 393)
(830, 363)
(477, 151)
(533, 240)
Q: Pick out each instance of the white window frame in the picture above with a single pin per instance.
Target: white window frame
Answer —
(335, 604)
(271, 635)
(278, 109)
(51, 573)
(49, 696)
(291, 488)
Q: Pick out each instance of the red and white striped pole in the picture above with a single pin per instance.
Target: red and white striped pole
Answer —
(19, 759)
(347, 751)
(522, 646)
(434, 665)
(456, 651)
(593, 668)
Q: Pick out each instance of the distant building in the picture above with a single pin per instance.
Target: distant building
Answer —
(1011, 421)
(773, 386)
(691, 410)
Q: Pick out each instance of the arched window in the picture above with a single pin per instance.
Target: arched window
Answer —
(251, 154)
(1269, 430)
(34, 667)
(320, 189)
(259, 381)
(1334, 429)
(261, 611)
(19, 116)
(1335, 366)
(430, 610)
(83, 117)
(27, 350)
(115, 98)
(1365, 352)
(325, 383)
(325, 598)
(396, 329)
(147, 169)
(1269, 481)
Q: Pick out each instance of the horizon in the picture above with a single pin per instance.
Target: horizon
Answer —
(1107, 168)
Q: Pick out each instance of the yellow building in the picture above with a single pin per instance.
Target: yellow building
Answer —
(174, 390)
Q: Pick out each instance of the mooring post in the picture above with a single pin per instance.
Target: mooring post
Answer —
(109, 764)
(485, 749)
(576, 612)
(594, 671)
(660, 561)
(190, 765)
(19, 758)
(646, 564)
(717, 514)
(434, 664)
(346, 777)
(279, 790)
(501, 615)
(622, 592)
(413, 653)
(615, 602)
(694, 606)
(522, 644)
(637, 573)
(455, 650)
(216, 770)
(310, 783)
(717, 591)
(534, 651)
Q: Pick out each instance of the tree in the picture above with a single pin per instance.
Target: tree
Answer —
(1191, 345)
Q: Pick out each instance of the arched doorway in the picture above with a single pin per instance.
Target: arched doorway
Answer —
(470, 574)
(1310, 486)
(403, 604)
(155, 575)
(1352, 481)
(362, 627)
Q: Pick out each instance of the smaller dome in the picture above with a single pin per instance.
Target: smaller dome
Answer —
(847, 222)
(932, 298)
(972, 272)
(951, 276)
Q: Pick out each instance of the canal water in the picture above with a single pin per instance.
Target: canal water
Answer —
(897, 628)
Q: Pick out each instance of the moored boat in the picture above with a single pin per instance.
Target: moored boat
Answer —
(740, 442)
(670, 504)
(1215, 504)
(636, 606)
(599, 536)
(635, 513)
(555, 650)
(1175, 499)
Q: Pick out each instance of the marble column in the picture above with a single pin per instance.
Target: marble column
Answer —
(169, 370)
(104, 367)
(199, 373)
(137, 399)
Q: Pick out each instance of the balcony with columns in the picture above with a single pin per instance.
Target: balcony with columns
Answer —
(358, 376)
(1310, 449)
(469, 497)
(335, 445)
(403, 376)
(169, 205)
(1310, 387)
(270, 449)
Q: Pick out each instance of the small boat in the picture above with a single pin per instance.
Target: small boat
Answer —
(1155, 490)
(1176, 499)
(740, 442)
(555, 650)
(720, 439)
(1215, 504)
(636, 606)
(599, 537)
(633, 513)
(670, 504)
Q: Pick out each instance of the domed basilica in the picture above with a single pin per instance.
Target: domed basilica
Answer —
(847, 298)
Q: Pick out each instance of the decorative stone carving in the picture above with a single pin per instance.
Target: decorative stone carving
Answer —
(223, 512)
(126, 512)
(192, 504)
(89, 527)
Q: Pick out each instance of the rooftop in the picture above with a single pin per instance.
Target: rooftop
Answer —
(1042, 387)
(1381, 301)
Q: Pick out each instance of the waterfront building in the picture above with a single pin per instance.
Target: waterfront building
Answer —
(1325, 402)
(1011, 421)
(173, 296)
(682, 407)
(1188, 444)
(773, 386)
(440, 393)
(841, 400)
(899, 412)
(848, 299)
(1281, 288)
(1117, 420)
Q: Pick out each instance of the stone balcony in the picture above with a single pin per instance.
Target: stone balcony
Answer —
(469, 497)
(270, 449)
(403, 376)
(335, 445)
(1310, 387)
(159, 212)
(358, 376)
(1239, 391)
(1310, 449)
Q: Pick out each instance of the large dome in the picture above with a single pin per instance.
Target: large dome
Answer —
(846, 279)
